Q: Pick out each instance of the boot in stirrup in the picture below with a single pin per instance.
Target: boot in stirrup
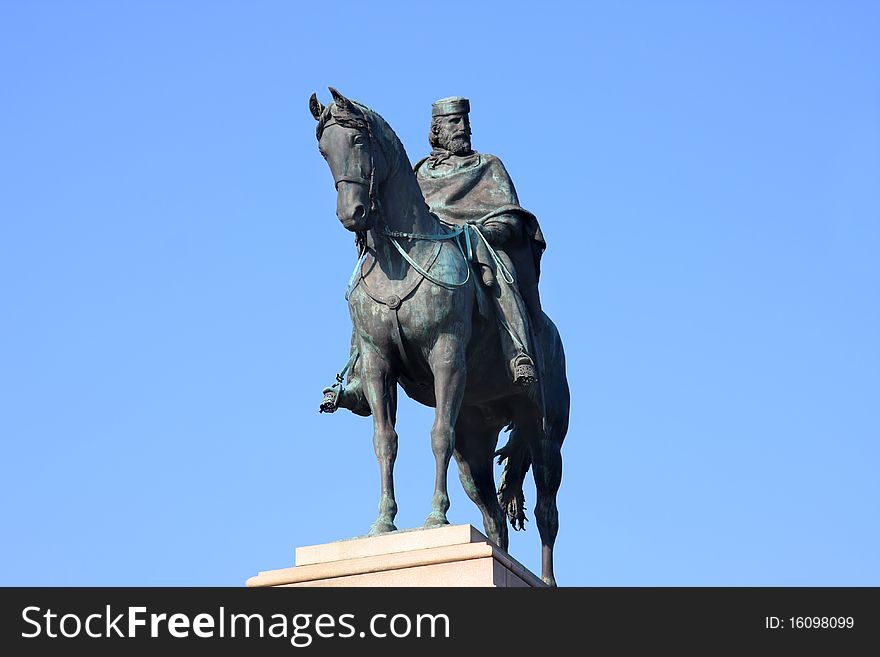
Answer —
(331, 399)
(524, 372)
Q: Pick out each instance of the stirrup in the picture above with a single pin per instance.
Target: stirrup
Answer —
(524, 372)
(331, 400)
(332, 394)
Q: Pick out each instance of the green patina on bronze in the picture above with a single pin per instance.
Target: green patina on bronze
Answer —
(444, 302)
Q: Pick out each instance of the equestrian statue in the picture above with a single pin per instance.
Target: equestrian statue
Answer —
(444, 302)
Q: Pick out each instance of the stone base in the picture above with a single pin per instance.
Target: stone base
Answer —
(455, 555)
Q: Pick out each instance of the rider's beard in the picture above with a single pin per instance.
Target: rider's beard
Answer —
(459, 144)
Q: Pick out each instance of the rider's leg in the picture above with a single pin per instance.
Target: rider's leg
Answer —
(516, 330)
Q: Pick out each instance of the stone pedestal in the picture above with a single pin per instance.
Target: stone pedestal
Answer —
(455, 555)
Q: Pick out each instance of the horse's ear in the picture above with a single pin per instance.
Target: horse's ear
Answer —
(315, 106)
(341, 101)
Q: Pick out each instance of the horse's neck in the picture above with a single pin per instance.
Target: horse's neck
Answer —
(403, 206)
(403, 210)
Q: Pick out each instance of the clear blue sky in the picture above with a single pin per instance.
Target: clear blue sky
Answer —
(708, 179)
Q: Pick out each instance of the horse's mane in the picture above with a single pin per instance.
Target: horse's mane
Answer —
(363, 118)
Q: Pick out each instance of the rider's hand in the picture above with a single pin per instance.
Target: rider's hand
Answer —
(496, 232)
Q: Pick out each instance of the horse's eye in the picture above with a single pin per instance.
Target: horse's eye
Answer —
(359, 140)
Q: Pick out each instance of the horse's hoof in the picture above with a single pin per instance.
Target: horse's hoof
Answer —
(550, 581)
(436, 520)
(328, 404)
(381, 527)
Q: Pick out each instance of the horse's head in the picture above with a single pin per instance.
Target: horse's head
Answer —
(346, 141)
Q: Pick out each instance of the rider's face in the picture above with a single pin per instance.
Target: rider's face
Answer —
(454, 133)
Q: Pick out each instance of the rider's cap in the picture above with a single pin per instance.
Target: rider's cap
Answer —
(450, 105)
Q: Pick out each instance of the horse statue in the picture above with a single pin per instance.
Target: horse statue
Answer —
(419, 321)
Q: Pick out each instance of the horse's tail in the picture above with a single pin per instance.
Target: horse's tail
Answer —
(517, 460)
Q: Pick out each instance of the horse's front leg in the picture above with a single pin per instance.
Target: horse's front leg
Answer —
(447, 361)
(380, 388)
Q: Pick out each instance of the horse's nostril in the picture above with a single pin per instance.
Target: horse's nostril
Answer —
(352, 217)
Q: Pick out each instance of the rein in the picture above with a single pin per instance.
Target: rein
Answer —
(456, 232)
(393, 235)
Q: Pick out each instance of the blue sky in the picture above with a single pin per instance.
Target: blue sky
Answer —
(706, 175)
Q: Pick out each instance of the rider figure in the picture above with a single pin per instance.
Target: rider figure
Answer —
(462, 186)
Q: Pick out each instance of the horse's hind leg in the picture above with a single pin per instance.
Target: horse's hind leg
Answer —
(380, 389)
(546, 448)
(475, 443)
(547, 470)
(448, 364)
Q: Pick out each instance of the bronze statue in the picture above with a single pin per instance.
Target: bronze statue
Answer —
(421, 319)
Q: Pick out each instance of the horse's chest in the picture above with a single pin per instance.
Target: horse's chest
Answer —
(420, 318)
